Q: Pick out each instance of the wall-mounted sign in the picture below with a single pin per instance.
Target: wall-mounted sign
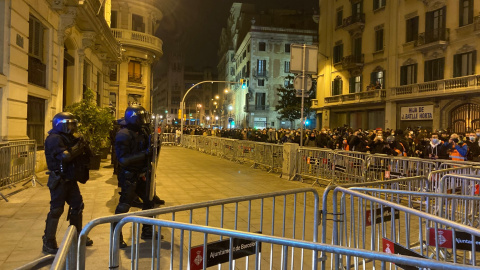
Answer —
(416, 113)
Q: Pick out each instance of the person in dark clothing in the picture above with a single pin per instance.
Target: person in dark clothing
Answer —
(474, 146)
(403, 144)
(132, 148)
(63, 151)
(435, 149)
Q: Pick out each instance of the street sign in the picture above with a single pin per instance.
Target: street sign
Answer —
(297, 84)
(218, 252)
(297, 56)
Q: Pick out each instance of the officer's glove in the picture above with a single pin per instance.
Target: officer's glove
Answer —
(74, 151)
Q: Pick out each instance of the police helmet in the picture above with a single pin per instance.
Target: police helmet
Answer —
(64, 122)
(136, 115)
(391, 139)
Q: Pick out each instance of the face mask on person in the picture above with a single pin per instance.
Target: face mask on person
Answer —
(478, 134)
(434, 141)
(472, 138)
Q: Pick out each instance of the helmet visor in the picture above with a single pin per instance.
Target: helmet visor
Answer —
(143, 117)
(69, 125)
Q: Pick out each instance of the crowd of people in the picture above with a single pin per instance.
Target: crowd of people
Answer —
(438, 144)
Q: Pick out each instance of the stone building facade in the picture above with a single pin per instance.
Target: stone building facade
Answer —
(52, 50)
(398, 64)
(255, 46)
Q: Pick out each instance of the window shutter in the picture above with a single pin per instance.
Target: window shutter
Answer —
(456, 65)
(384, 3)
(373, 78)
(441, 66)
(384, 80)
(333, 88)
(352, 85)
(415, 71)
(403, 75)
(474, 61)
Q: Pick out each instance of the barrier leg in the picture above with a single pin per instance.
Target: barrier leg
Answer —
(34, 181)
(5, 198)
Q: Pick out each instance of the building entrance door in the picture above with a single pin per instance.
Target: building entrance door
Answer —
(465, 118)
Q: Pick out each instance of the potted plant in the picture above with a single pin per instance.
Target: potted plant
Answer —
(94, 125)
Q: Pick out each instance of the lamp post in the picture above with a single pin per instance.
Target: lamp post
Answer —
(182, 104)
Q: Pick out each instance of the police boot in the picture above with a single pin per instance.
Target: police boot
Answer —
(49, 241)
(147, 233)
(158, 201)
(76, 220)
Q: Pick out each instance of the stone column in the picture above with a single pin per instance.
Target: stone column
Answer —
(122, 87)
(146, 80)
(391, 115)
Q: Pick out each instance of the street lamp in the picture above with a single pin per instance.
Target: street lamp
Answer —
(182, 104)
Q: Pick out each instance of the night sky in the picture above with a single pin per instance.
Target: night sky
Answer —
(194, 26)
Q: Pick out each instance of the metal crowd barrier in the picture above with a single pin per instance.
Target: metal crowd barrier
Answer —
(381, 167)
(168, 139)
(348, 169)
(315, 163)
(246, 151)
(250, 253)
(17, 164)
(265, 213)
(378, 224)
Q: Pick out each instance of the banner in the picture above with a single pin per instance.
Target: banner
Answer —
(416, 113)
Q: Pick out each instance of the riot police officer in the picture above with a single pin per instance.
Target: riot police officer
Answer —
(67, 158)
(132, 149)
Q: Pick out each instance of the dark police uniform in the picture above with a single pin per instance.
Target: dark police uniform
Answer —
(62, 150)
(132, 150)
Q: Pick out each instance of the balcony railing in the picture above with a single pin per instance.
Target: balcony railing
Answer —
(476, 23)
(250, 108)
(376, 95)
(135, 78)
(139, 39)
(354, 22)
(353, 61)
(438, 87)
(433, 39)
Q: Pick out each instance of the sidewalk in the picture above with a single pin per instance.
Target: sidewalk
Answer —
(183, 176)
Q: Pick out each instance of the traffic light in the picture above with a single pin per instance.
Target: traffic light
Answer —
(244, 83)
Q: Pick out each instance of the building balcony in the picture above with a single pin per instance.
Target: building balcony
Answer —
(431, 40)
(458, 85)
(353, 61)
(476, 24)
(139, 40)
(354, 22)
(372, 96)
(253, 108)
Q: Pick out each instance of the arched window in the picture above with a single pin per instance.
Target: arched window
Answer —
(465, 117)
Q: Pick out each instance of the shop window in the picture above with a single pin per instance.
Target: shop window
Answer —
(464, 64)
(36, 120)
(408, 74)
(134, 72)
(337, 86)
(262, 46)
(37, 68)
(337, 53)
(137, 23)
(466, 12)
(411, 29)
(112, 102)
(434, 69)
